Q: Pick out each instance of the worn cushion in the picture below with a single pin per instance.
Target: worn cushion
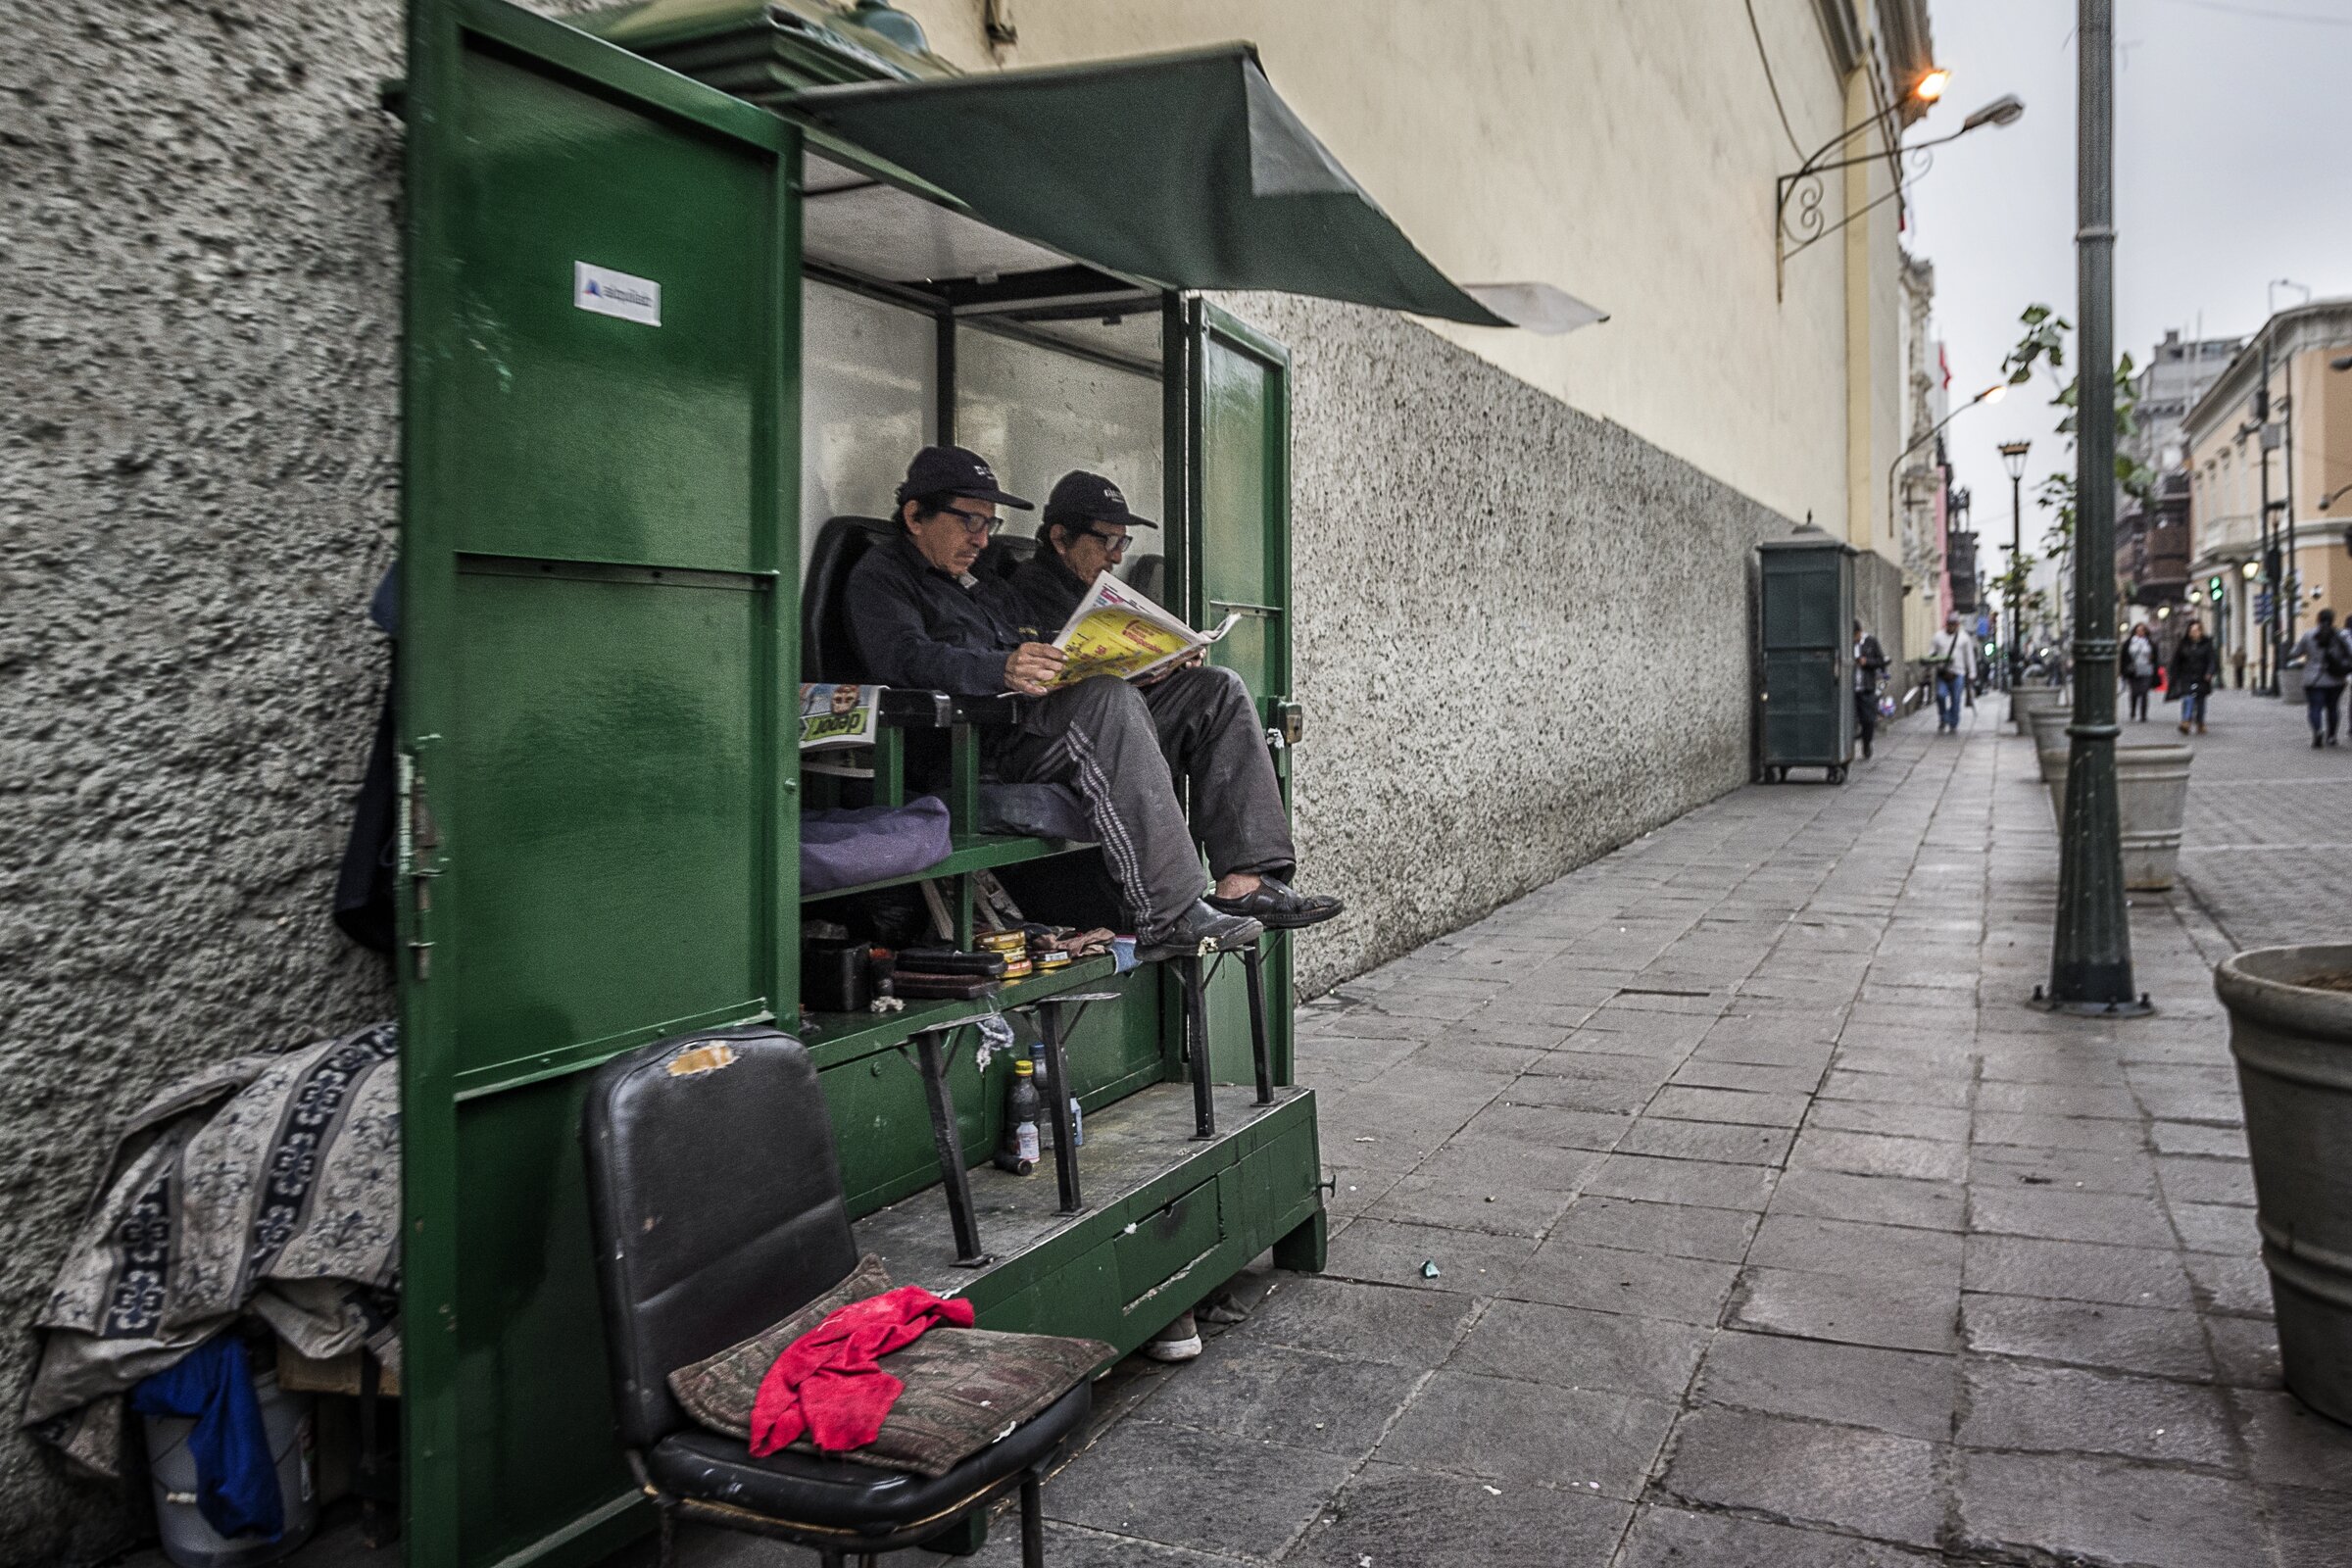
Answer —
(833, 1493)
(966, 1387)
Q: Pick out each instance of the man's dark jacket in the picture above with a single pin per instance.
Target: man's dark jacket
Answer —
(1049, 591)
(917, 626)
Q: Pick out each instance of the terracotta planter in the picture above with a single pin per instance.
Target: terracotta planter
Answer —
(2294, 1045)
(2151, 792)
(2050, 740)
(2291, 685)
(2026, 701)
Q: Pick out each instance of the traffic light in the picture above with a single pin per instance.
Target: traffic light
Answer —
(2213, 590)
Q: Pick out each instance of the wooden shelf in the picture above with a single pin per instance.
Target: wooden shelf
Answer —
(973, 852)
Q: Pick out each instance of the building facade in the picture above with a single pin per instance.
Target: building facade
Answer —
(2299, 460)
(1545, 539)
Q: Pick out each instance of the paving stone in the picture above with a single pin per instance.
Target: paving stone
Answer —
(1572, 1348)
(1936, 1123)
(2062, 1168)
(1256, 1390)
(2126, 1338)
(2236, 1285)
(1145, 1478)
(1729, 1105)
(2309, 1529)
(1388, 1324)
(2245, 1351)
(1887, 1310)
(1753, 1077)
(1544, 1126)
(1682, 1181)
(2077, 1271)
(1896, 1088)
(1501, 1207)
(1384, 1253)
(2199, 1179)
(1846, 1478)
(1878, 1199)
(2058, 1100)
(2067, 1216)
(1819, 1246)
(2290, 1444)
(1530, 1433)
(1576, 1092)
(2032, 1131)
(2190, 1138)
(1606, 1280)
(2106, 1511)
(1872, 1155)
(1749, 1046)
(2055, 1410)
(1066, 1546)
(1486, 1165)
(1672, 1229)
(1721, 1142)
(1676, 1538)
(1892, 1390)
(1395, 1517)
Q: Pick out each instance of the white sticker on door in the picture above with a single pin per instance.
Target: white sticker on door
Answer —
(608, 293)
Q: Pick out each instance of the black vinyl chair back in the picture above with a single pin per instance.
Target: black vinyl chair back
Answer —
(1149, 575)
(827, 651)
(1005, 555)
(715, 1202)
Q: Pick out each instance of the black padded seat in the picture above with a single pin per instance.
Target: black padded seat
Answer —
(1005, 555)
(827, 652)
(1149, 575)
(858, 1498)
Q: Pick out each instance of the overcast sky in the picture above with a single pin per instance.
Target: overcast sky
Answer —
(2233, 166)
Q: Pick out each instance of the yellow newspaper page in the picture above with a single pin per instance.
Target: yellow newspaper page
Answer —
(1117, 631)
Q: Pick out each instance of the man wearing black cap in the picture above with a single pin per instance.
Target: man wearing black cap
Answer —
(919, 619)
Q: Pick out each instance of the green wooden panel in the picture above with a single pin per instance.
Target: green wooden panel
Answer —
(597, 667)
(1240, 447)
(622, 441)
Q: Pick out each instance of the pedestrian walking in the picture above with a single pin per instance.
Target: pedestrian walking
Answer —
(2237, 667)
(1870, 668)
(2140, 669)
(2195, 662)
(1952, 662)
(2325, 653)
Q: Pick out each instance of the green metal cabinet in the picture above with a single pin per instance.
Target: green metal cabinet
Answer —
(601, 797)
(1805, 698)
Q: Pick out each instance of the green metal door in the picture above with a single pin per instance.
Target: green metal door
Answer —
(1239, 515)
(597, 671)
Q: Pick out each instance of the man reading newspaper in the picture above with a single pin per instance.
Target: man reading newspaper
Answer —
(920, 618)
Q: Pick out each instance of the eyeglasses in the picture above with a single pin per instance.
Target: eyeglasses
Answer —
(1114, 544)
(975, 523)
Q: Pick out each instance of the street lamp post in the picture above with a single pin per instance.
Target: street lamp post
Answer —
(1991, 394)
(2012, 457)
(2090, 946)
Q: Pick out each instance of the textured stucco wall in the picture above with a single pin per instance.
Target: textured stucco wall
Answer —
(197, 403)
(1521, 633)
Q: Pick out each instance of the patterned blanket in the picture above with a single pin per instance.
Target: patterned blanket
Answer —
(269, 1185)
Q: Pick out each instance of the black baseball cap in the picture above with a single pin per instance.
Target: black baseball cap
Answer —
(1082, 497)
(955, 471)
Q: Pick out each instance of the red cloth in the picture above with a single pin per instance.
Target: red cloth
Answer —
(829, 1381)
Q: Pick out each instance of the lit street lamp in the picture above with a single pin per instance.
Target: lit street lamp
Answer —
(2012, 457)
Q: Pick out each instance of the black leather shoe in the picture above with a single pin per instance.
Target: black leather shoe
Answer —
(1198, 930)
(1278, 907)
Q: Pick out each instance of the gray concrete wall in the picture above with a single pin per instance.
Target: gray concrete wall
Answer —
(1520, 635)
(1522, 632)
(197, 482)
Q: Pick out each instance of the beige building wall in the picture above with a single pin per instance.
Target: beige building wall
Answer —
(1623, 150)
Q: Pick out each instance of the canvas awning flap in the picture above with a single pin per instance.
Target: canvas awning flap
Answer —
(1185, 169)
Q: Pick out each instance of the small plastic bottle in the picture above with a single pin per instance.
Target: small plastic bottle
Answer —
(1017, 1150)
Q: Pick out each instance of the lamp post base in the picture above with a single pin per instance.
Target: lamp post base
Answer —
(2043, 1001)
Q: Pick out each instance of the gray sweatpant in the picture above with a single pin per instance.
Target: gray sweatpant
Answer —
(1122, 747)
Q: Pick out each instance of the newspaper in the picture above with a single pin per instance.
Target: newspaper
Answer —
(1117, 631)
(836, 714)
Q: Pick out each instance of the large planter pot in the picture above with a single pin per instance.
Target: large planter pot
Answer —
(2293, 1039)
(2026, 701)
(2151, 790)
(2291, 685)
(2050, 738)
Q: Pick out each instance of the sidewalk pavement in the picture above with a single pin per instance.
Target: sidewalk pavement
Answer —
(2267, 847)
(1721, 1203)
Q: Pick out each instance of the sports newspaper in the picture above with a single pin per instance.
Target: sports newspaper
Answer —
(836, 714)
(1117, 631)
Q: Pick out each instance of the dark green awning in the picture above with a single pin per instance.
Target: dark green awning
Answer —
(1185, 169)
